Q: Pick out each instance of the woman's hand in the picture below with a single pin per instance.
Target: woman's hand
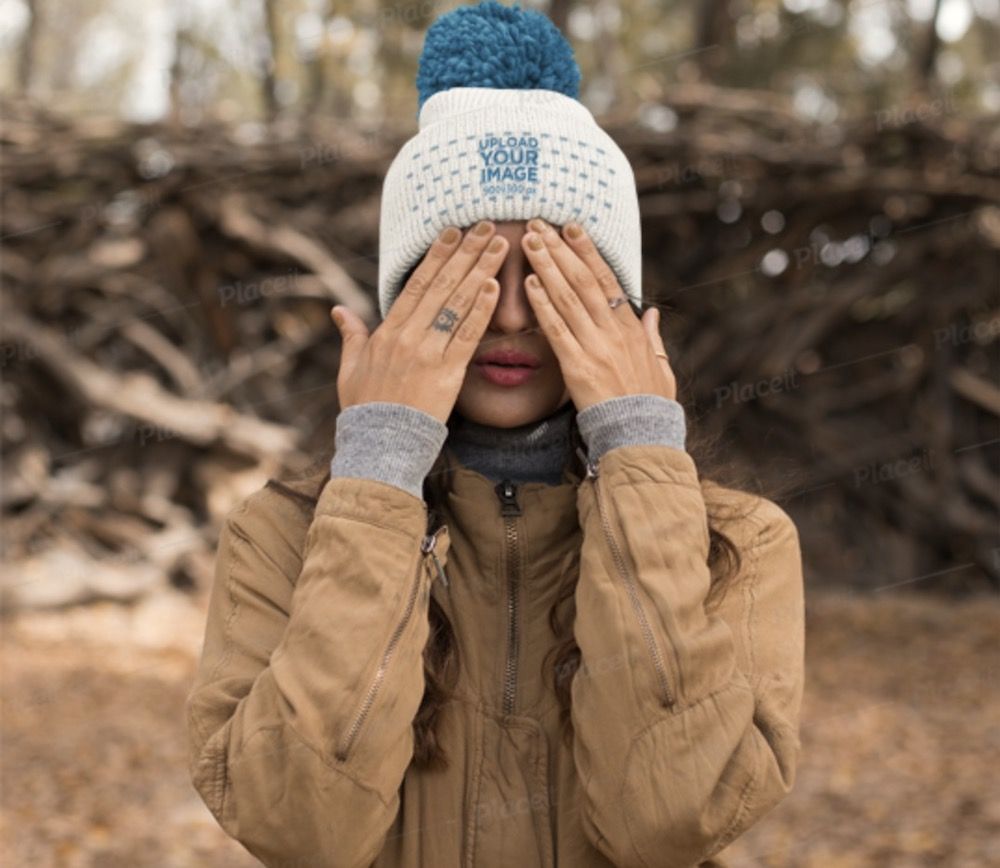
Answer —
(420, 353)
(603, 352)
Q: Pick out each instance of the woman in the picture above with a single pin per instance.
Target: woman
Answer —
(510, 626)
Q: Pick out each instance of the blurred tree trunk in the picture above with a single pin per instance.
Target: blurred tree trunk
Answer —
(610, 68)
(27, 51)
(714, 29)
(559, 13)
(395, 65)
(926, 55)
(177, 75)
(268, 83)
(316, 67)
(336, 97)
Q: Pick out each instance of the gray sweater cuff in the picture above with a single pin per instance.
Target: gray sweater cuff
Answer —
(632, 420)
(388, 442)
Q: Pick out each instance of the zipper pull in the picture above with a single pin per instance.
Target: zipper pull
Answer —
(507, 492)
(590, 465)
(427, 547)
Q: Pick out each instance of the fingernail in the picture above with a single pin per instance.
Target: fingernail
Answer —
(573, 230)
(483, 227)
(535, 242)
(495, 245)
(449, 235)
(537, 225)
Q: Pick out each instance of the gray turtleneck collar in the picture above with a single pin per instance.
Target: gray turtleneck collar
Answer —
(534, 452)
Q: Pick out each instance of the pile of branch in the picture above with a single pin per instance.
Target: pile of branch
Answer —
(829, 296)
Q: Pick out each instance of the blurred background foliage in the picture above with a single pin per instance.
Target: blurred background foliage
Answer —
(192, 60)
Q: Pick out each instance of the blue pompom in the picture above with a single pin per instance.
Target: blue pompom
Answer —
(492, 45)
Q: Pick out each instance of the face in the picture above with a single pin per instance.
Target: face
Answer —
(513, 327)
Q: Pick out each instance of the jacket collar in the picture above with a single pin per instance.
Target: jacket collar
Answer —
(543, 533)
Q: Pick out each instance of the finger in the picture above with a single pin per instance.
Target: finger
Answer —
(651, 322)
(352, 328)
(353, 338)
(584, 247)
(469, 333)
(560, 336)
(578, 274)
(651, 325)
(450, 314)
(453, 272)
(432, 262)
(562, 296)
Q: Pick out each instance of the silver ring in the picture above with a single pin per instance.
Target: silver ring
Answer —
(622, 299)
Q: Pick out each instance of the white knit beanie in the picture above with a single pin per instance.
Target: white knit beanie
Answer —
(504, 153)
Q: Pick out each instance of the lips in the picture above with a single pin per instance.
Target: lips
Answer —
(509, 358)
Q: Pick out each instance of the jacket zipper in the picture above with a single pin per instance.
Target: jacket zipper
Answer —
(630, 586)
(510, 509)
(427, 545)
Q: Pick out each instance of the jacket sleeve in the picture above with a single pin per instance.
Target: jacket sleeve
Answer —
(300, 717)
(686, 705)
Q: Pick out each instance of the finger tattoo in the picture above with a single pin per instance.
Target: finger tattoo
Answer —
(446, 320)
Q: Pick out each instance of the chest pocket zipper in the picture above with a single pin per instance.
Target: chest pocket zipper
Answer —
(427, 546)
(630, 585)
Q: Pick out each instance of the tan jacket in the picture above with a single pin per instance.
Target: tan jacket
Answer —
(685, 707)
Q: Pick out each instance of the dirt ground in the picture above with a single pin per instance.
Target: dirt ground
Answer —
(899, 731)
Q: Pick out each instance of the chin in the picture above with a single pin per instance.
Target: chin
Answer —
(507, 408)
